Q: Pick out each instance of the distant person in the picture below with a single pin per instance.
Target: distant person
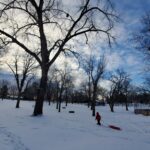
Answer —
(98, 118)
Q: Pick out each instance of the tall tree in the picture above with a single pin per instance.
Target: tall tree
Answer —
(119, 88)
(45, 29)
(64, 82)
(97, 71)
(87, 66)
(22, 74)
(94, 68)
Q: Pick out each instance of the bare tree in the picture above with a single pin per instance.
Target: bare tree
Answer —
(94, 68)
(97, 71)
(119, 88)
(64, 82)
(45, 29)
(22, 76)
(87, 68)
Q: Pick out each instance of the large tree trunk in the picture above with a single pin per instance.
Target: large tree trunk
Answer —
(38, 109)
(93, 108)
(18, 100)
(59, 108)
(111, 105)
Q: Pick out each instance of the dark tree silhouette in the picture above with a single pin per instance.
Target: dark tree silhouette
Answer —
(95, 68)
(87, 68)
(97, 71)
(119, 88)
(64, 80)
(24, 77)
(45, 29)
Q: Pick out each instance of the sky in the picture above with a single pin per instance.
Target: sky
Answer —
(123, 54)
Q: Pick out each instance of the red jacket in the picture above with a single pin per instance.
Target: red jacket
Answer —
(98, 117)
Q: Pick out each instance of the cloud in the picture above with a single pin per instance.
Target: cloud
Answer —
(114, 60)
(106, 84)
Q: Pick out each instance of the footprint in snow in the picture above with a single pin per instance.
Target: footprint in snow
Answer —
(9, 141)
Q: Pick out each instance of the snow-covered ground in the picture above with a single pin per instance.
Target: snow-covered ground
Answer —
(65, 131)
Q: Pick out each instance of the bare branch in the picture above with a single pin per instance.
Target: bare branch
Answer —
(21, 45)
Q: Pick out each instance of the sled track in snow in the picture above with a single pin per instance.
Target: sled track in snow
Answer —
(9, 139)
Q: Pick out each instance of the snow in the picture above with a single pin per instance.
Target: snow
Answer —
(66, 131)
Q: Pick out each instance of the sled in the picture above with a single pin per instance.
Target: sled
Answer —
(114, 127)
(111, 126)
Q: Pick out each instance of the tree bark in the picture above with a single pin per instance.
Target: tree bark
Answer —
(18, 100)
(38, 109)
(93, 108)
(111, 105)
(59, 109)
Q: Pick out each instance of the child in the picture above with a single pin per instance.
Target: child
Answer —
(98, 118)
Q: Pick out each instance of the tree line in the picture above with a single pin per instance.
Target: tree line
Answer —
(61, 86)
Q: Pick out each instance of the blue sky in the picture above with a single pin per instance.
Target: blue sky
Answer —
(131, 60)
(123, 54)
